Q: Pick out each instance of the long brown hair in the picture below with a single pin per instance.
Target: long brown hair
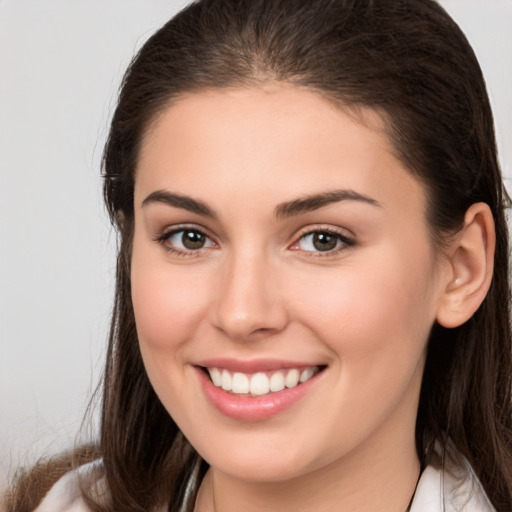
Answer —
(410, 62)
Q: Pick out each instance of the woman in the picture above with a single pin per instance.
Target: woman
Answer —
(312, 287)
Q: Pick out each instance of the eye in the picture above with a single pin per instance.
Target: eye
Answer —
(322, 241)
(185, 240)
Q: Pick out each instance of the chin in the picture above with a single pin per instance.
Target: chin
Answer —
(260, 464)
(261, 471)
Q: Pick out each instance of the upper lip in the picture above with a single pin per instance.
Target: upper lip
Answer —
(254, 366)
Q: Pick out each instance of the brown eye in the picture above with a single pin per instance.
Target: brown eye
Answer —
(186, 240)
(193, 240)
(325, 241)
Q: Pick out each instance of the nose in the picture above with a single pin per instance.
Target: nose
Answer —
(249, 303)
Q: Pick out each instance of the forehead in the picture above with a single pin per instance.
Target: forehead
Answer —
(273, 113)
(273, 143)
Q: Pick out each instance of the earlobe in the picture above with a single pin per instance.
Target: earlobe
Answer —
(471, 261)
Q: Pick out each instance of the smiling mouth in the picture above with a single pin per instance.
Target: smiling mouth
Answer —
(260, 383)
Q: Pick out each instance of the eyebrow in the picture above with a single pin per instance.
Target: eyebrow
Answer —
(316, 201)
(179, 201)
(283, 210)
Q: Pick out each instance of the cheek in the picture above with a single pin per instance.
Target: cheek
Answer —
(169, 306)
(375, 316)
(169, 303)
(375, 323)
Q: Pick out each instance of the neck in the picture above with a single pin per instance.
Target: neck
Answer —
(379, 479)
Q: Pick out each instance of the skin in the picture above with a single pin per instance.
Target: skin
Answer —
(259, 290)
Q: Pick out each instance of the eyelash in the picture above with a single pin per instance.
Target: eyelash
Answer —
(346, 242)
(163, 240)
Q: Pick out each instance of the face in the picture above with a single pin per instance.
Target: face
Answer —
(283, 280)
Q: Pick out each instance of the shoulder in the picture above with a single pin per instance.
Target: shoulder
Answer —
(450, 488)
(66, 493)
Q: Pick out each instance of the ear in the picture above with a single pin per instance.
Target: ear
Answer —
(471, 262)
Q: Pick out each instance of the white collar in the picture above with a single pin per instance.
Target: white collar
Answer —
(450, 489)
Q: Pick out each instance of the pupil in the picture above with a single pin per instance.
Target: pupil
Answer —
(324, 241)
(193, 240)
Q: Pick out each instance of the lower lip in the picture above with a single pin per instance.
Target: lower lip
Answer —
(246, 408)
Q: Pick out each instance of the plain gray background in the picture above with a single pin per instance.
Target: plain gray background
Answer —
(60, 66)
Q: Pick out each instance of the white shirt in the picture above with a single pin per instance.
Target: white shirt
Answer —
(438, 490)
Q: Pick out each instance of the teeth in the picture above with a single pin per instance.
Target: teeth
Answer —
(226, 381)
(306, 374)
(277, 382)
(240, 384)
(216, 377)
(292, 379)
(260, 383)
